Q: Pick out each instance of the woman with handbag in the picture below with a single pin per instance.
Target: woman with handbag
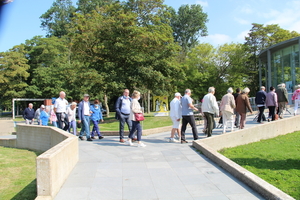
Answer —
(136, 115)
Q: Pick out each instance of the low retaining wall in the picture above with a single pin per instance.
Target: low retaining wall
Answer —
(210, 146)
(55, 164)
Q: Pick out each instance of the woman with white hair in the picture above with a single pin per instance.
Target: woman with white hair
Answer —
(242, 102)
(71, 112)
(227, 107)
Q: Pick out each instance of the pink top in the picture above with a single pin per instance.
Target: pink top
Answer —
(53, 117)
(296, 95)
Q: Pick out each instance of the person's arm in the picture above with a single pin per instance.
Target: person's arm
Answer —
(248, 105)
(80, 111)
(117, 106)
(275, 100)
(135, 107)
(24, 113)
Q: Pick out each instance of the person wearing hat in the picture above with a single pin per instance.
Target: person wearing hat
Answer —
(175, 114)
(60, 109)
(84, 117)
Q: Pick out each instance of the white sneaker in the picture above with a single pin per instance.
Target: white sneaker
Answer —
(173, 140)
(141, 145)
(129, 143)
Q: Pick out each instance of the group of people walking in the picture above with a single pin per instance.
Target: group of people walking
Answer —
(63, 116)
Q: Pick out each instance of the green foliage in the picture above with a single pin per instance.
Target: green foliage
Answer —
(56, 20)
(86, 6)
(276, 160)
(13, 74)
(126, 49)
(188, 24)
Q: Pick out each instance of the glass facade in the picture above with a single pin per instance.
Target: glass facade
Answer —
(280, 64)
(285, 67)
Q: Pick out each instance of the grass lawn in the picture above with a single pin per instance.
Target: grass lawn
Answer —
(17, 174)
(275, 160)
(111, 124)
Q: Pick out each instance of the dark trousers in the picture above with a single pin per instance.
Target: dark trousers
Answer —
(123, 119)
(272, 112)
(188, 119)
(261, 114)
(95, 128)
(210, 123)
(136, 126)
(62, 119)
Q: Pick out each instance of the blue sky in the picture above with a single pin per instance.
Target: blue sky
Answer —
(229, 20)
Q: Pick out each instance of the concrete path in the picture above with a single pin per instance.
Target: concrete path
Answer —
(108, 169)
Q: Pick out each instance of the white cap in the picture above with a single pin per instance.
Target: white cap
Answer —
(177, 94)
(42, 106)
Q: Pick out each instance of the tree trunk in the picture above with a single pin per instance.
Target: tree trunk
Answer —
(106, 105)
(148, 106)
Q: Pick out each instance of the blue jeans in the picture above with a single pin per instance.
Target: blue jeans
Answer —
(136, 126)
(95, 128)
(54, 123)
(123, 119)
(73, 125)
(85, 126)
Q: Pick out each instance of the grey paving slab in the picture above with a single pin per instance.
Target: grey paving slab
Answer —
(108, 169)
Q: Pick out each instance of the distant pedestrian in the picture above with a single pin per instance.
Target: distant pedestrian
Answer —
(282, 98)
(296, 99)
(210, 108)
(71, 112)
(37, 115)
(271, 103)
(60, 109)
(237, 115)
(53, 118)
(84, 117)
(44, 116)
(242, 104)
(122, 107)
(260, 101)
(227, 107)
(28, 114)
(188, 115)
(136, 126)
(175, 114)
(96, 117)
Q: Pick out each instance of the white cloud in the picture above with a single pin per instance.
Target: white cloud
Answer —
(241, 37)
(216, 39)
(202, 3)
(242, 21)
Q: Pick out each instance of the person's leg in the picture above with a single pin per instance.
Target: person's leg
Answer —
(87, 126)
(280, 109)
(183, 128)
(73, 124)
(133, 129)
(139, 131)
(296, 107)
(261, 112)
(209, 124)
(121, 126)
(59, 121)
(94, 128)
(224, 118)
(66, 122)
(242, 121)
(272, 112)
(82, 128)
(194, 127)
(54, 123)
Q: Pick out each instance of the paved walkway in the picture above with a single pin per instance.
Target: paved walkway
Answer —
(108, 169)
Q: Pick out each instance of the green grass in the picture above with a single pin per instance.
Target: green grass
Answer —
(111, 124)
(276, 160)
(17, 174)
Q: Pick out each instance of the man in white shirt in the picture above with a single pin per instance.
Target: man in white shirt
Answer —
(60, 109)
(84, 117)
(175, 114)
(209, 108)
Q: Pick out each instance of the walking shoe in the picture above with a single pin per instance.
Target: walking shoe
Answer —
(173, 140)
(122, 140)
(81, 138)
(141, 145)
(93, 138)
(101, 137)
(134, 139)
(129, 143)
(89, 139)
(183, 141)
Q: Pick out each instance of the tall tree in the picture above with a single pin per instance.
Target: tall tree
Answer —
(189, 23)
(13, 74)
(57, 19)
(86, 6)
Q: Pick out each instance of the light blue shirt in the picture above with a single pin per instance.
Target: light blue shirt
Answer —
(185, 101)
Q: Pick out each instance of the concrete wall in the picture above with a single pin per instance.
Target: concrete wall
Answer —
(254, 134)
(210, 146)
(58, 160)
(8, 142)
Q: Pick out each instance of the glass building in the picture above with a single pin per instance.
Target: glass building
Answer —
(280, 64)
